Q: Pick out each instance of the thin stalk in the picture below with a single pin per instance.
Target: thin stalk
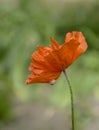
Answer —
(72, 100)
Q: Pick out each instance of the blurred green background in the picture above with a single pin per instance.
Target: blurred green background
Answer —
(26, 24)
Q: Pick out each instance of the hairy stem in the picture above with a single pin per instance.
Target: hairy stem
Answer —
(72, 100)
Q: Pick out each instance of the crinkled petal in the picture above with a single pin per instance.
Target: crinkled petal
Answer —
(55, 44)
(67, 51)
(49, 62)
(44, 77)
(39, 62)
(78, 36)
(44, 51)
(82, 46)
(55, 61)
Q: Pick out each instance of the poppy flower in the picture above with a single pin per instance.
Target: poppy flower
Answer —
(48, 62)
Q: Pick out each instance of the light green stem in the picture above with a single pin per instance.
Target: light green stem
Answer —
(72, 100)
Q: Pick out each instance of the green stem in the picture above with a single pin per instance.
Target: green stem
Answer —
(72, 100)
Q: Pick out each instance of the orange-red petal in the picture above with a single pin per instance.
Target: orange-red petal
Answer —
(39, 61)
(73, 47)
(67, 51)
(82, 46)
(55, 45)
(44, 77)
(49, 62)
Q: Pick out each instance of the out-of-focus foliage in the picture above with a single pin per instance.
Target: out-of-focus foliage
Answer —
(25, 24)
(82, 16)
